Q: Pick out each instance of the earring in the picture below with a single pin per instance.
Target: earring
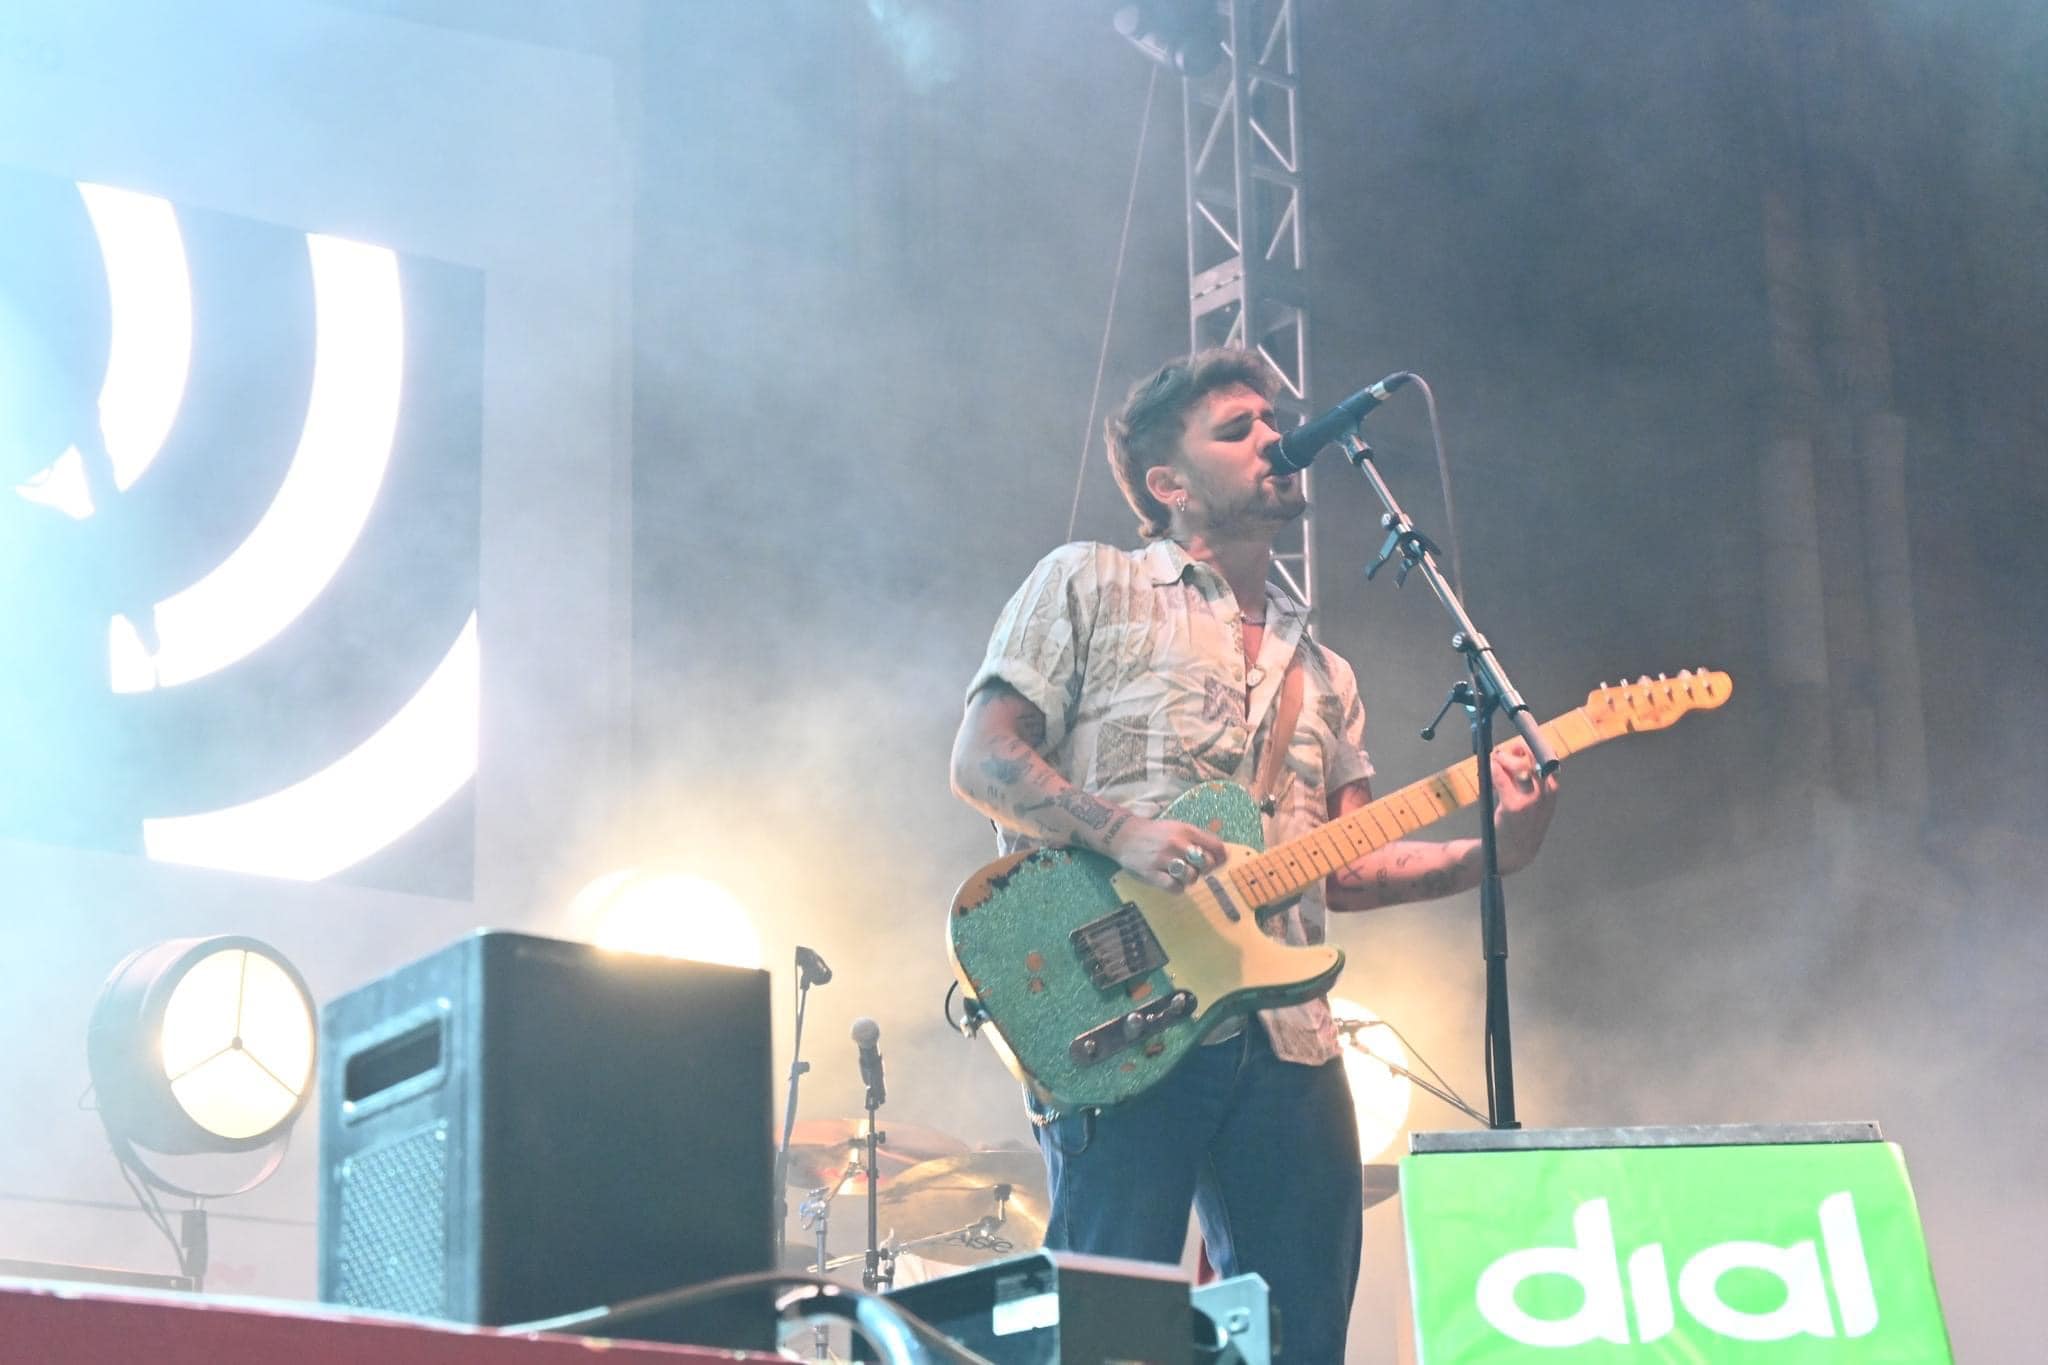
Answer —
(1180, 503)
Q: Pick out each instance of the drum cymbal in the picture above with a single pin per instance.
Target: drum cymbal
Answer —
(818, 1149)
(942, 1196)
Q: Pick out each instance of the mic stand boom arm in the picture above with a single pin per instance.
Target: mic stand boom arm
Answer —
(1418, 553)
(1489, 690)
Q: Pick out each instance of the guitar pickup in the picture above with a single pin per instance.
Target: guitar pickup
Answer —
(1117, 947)
(1106, 1040)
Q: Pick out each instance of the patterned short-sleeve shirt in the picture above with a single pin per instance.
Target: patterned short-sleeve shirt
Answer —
(1136, 658)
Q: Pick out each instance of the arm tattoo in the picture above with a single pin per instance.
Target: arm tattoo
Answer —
(1086, 811)
(1031, 727)
(1005, 771)
(1009, 759)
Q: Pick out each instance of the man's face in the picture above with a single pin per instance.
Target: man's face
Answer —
(1232, 488)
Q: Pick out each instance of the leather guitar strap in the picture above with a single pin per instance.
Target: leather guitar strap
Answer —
(1273, 762)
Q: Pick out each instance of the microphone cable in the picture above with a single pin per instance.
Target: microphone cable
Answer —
(1116, 280)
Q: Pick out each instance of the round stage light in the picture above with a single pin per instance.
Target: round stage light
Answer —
(202, 1045)
(1379, 1093)
(667, 914)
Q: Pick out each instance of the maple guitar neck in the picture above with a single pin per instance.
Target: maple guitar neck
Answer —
(1628, 708)
(1290, 868)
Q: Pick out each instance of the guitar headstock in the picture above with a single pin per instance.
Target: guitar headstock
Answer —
(1653, 703)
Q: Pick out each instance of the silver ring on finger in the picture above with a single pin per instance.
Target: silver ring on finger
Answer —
(1178, 869)
(1195, 856)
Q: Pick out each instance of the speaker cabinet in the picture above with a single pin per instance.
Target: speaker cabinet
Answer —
(515, 1127)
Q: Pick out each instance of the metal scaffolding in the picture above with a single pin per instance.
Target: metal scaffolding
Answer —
(1247, 282)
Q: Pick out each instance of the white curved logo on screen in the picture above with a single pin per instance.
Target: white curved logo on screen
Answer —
(427, 751)
(357, 805)
(149, 352)
(314, 521)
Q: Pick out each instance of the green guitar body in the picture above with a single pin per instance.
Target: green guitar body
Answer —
(1096, 985)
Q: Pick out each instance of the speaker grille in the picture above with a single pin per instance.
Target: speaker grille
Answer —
(392, 1245)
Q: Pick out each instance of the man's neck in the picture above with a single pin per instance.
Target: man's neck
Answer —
(1244, 564)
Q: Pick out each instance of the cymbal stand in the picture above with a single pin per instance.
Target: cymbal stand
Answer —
(816, 1215)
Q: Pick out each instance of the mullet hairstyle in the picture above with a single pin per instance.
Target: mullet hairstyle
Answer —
(1146, 431)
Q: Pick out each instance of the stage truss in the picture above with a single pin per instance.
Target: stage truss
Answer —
(1247, 270)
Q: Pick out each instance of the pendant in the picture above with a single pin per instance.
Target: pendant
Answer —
(1254, 675)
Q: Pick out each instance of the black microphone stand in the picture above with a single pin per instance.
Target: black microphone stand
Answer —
(797, 1068)
(1486, 691)
(879, 1273)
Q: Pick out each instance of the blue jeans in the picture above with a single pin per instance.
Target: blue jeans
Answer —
(1265, 1150)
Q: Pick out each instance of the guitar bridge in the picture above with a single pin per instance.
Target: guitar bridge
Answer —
(1106, 1040)
(1117, 947)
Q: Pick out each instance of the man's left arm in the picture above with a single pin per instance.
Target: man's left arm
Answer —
(1419, 870)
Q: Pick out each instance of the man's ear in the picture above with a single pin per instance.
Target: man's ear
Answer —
(1163, 482)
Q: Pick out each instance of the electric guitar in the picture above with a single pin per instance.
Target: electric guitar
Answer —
(1094, 984)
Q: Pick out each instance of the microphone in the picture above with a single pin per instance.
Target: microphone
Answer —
(1298, 448)
(810, 968)
(866, 1034)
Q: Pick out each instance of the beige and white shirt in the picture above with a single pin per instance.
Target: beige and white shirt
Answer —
(1136, 657)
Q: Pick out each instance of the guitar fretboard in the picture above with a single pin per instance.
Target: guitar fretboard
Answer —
(1291, 868)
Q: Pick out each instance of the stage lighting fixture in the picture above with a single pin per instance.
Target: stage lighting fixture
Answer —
(666, 913)
(201, 1045)
(1379, 1092)
(1186, 35)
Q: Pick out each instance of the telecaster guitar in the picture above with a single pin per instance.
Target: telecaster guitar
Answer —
(1095, 984)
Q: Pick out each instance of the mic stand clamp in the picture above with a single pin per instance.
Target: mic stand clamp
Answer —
(1401, 535)
(1488, 690)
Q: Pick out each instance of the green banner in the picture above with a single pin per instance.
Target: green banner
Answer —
(1806, 1252)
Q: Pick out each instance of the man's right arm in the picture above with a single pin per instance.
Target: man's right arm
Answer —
(998, 770)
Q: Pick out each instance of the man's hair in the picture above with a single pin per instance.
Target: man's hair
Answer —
(1146, 431)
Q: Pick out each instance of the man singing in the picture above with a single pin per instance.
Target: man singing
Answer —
(1114, 681)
